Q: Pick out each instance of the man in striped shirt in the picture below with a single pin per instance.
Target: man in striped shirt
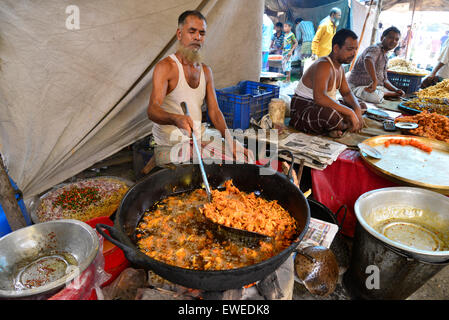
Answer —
(304, 34)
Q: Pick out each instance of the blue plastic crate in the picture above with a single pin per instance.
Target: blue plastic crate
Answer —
(4, 225)
(407, 83)
(246, 100)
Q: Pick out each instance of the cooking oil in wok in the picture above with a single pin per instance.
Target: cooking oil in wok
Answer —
(33, 273)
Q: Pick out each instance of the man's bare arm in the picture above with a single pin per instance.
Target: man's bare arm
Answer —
(436, 69)
(390, 86)
(348, 96)
(350, 99)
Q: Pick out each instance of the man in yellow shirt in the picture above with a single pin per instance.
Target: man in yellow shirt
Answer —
(322, 42)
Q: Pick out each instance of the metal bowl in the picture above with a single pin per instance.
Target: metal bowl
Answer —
(37, 261)
(415, 220)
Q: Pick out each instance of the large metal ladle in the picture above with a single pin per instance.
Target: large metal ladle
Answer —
(198, 154)
(244, 236)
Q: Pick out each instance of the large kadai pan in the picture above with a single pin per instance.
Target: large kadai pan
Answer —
(247, 177)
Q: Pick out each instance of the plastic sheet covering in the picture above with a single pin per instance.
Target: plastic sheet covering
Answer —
(70, 98)
(359, 12)
(87, 285)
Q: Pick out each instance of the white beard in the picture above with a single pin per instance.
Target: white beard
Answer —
(191, 55)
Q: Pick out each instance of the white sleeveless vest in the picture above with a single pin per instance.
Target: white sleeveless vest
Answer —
(169, 135)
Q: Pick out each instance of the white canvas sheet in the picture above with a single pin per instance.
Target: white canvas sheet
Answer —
(64, 94)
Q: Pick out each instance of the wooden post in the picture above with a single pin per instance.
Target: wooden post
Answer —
(411, 30)
(361, 36)
(8, 201)
(376, 22)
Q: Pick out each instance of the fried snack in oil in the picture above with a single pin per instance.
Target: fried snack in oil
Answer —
(239, 210)
(177, 233)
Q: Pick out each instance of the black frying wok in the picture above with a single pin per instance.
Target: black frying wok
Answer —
(165, 182)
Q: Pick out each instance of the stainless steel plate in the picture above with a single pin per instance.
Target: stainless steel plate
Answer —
(406, 125)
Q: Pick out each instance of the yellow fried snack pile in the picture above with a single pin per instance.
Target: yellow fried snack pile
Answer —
(400, 65)
(440, 90)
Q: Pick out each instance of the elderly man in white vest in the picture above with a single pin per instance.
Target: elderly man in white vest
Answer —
(182, 77)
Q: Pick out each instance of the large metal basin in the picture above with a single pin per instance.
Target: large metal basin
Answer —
(46, 242)
(411, 232)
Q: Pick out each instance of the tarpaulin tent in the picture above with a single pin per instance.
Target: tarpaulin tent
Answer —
(420, 5)
(359, 16)
(311, 10)
(71, 97)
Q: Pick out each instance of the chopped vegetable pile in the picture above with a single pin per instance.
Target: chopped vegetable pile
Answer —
(77, 198)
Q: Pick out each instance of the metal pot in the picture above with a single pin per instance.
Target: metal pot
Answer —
(382, 268)
(436, 215)
(165, 182)
(56, 241)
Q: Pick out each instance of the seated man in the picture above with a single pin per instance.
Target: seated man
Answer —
(314, 107)
(441, 70)
(368, 80)
(182, 77)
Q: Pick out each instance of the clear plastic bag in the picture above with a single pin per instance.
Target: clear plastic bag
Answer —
(87, 285)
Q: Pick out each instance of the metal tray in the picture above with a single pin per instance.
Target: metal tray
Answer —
(37, 201)
(408, 109)
(407, 165)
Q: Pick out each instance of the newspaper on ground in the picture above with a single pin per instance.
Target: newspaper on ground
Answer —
(319, 233)
(317, 152)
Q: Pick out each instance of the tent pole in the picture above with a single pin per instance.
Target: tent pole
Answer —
(361, 36)
(376, 22)
(8, 201)
(411, 28)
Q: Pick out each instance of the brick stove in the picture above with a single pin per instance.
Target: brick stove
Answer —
(277, 286)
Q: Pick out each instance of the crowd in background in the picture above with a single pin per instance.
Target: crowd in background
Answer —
(303, 41)
(299, 40)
